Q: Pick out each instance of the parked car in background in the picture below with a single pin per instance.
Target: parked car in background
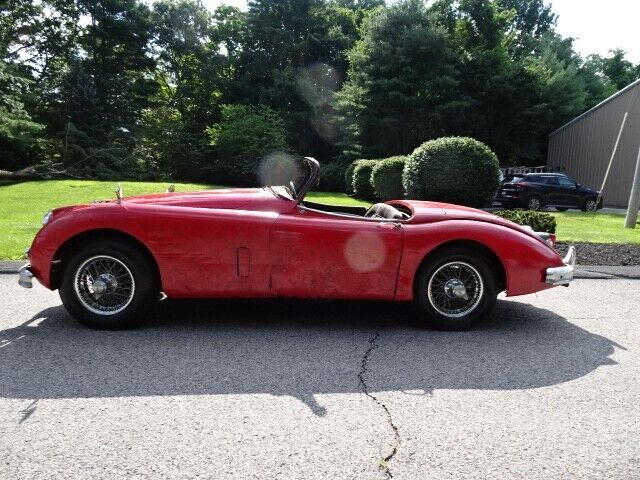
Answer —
(534, 191)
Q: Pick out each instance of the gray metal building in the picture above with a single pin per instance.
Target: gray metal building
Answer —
(582, 148)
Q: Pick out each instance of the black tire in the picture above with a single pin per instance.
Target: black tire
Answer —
(140, 293)
(589, 205)
(437, 264)
(562, 209)
(535, 203)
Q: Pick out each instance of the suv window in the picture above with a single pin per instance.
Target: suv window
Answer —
(566, 182)
(549, 180)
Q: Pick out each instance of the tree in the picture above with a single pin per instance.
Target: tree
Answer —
(619, 71)
(291, 45)
(116, 43)
(529, 20)
(402, 86)
(18, 131)
(244, 136)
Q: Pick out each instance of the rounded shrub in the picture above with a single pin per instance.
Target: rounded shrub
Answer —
(386, 178)
(348, 177)
(458, 170)
(362, 187)
(332, 177)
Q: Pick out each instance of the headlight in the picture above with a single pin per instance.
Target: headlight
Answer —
(47, 217)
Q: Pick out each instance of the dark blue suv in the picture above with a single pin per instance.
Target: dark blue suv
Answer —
(534, 191)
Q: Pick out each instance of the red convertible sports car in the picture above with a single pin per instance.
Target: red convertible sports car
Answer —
(111, 260)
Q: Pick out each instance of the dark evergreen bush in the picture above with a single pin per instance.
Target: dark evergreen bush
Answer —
(458, 170)
(386, 178)
(332, 177)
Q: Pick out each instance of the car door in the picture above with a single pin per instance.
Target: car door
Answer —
(538, 186)
(322, 255)
(552, 190)
(203, 252)
(568, 194)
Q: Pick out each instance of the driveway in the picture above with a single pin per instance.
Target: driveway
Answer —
(546, 388)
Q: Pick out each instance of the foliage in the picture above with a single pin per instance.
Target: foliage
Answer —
(402, 83)
(332, 176)
(538, 221)
(457, 170)
(386, 178)
(244, 136)
(18, 130)
(362, 187)
(348, 177)
(113, 87)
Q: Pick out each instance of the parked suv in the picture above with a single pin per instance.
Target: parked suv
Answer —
(534, 191)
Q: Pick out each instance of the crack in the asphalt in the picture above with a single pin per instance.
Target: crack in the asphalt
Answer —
(384, 462)
(28, 411)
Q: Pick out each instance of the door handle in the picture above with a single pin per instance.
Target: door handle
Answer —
(390, 225)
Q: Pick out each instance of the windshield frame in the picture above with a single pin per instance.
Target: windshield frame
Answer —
(305, 186)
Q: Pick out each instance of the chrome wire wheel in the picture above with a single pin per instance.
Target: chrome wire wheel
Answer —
(104, 285)
(455, 289)
(590, 206)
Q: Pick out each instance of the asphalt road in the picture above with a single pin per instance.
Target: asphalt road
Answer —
(548, 387)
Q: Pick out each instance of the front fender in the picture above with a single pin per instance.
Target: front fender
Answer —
(524, 258)
(70, 222)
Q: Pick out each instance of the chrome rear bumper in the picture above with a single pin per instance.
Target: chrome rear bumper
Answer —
(563, 275)
(25, 277)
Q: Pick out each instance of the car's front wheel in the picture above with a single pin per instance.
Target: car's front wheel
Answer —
(108, 285)
(589, 205)
(455, 288)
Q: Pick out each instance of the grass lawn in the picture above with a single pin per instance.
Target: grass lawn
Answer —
(22, 205)
(601, 228)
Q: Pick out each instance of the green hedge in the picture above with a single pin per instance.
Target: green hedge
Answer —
(362, 187)
(458, 170)
(540, 222)
(386, 178)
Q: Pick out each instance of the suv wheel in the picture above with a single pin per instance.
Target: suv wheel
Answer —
(534, 203)
(589, 205)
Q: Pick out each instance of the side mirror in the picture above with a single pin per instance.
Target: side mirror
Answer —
(577, 185)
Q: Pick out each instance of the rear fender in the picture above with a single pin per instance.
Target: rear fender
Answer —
(524, 258)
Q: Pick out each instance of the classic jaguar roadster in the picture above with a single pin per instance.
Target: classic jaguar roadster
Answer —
(111, 260)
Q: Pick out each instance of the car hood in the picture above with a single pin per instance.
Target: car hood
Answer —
(588, 190)
(259, 199)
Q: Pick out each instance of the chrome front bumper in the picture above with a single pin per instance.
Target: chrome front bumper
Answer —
(25, 277)
(563, 275)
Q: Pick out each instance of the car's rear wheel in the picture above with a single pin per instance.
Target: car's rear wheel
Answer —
(108, 285)
(562, 209)
(589, 205)
(534, 203)
(455, 288)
